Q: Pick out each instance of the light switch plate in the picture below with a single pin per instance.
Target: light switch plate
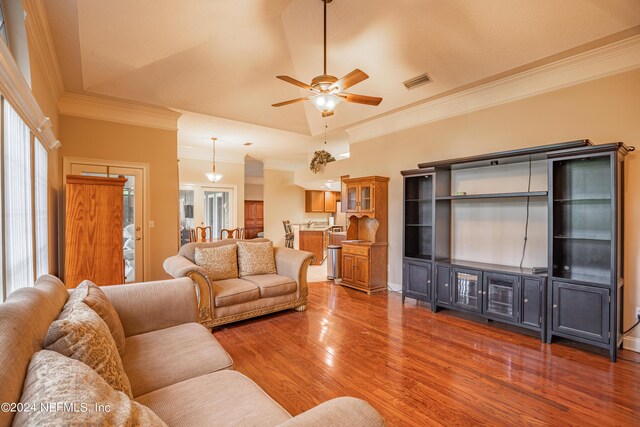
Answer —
(152, 224)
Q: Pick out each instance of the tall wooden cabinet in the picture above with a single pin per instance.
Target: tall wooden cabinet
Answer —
(253, 218)
(93, 230)
(364, 251)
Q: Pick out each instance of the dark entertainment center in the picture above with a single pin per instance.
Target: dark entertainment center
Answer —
(578, 294)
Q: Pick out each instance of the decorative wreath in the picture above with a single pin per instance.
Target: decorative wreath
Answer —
(320, 158)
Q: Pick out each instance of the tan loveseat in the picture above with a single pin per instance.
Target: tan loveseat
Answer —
(231, 300)
(175, 366)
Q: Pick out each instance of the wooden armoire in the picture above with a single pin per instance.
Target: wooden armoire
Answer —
(93, 233)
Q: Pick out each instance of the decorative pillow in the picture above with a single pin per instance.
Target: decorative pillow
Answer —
(255, 258)
(90, 294)
(221, 262)
(79, 333)
(54, 380)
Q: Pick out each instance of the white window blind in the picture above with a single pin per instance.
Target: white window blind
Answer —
(18, 219)
(41, 208)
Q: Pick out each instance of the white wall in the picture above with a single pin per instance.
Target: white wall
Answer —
(283, 200)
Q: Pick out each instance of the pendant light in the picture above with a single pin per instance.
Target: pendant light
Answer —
(213, 176)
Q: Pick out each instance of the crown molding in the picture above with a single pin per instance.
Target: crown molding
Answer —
(202, 153)
(15, 89)
(611, 59)
(43, 47)
(112, 110)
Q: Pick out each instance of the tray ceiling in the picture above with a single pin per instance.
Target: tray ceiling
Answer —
(220, 58)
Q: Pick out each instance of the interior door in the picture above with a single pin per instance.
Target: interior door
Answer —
(133, 202)
(217, 210)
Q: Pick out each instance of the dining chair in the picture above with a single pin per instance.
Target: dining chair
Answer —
(288, 234)
(233, 233)
(201, 233)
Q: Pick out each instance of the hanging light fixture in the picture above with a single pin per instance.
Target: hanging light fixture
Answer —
(213, 176)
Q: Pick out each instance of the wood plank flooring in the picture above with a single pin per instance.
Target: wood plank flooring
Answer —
(419, 368)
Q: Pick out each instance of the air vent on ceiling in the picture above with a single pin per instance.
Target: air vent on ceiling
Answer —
(417, 81)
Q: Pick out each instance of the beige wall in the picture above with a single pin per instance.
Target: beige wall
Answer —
(49, 106)
(192, 173)
(603, 110)
(253, 192)
(283, 200)
(97, 139)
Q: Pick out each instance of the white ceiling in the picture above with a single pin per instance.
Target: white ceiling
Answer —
(219, 58)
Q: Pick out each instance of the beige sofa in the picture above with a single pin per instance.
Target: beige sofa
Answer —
(175, 366)
(231, 300)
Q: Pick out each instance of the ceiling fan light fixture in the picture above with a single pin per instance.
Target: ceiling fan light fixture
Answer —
(326, 102)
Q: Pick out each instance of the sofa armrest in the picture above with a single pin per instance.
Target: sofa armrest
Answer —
(178, 266)
(149, 306)
(294, 264)
(343, 411)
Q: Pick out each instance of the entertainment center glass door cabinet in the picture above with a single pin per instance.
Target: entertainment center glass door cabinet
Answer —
(580, 295)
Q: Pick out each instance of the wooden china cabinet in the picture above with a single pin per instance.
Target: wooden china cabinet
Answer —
(364, 251)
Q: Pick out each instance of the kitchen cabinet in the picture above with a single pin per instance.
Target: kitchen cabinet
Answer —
(364, 266)
(360, 195)
(316, 242)
(320, 201)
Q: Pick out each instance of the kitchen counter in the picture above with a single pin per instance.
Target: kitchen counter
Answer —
(314, 240)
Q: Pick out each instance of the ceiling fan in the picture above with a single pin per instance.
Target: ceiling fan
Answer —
(328, 90)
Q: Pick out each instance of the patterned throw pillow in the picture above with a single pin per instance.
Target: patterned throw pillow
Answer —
(256, 258)
(221, 262)
(54, 380)
(90, 294)
(79, 333)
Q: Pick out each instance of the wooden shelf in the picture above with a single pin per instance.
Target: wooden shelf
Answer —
(584, 199)
(417, 200)
(583, 236)
(495, 195)
(420, 257)
(418, 225)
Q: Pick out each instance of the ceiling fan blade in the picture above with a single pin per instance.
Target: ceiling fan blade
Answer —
(327, 114)
(353, 78)
(291, 101)
(360, 99)
(295, 82)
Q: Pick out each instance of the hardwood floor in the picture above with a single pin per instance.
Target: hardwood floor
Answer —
(420, 368)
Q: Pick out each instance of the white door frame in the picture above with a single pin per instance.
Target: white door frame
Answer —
(66, 170)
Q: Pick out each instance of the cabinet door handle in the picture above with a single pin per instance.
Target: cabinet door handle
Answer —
(526, 300)
(555, 306)
(428, 282)
(446, 285)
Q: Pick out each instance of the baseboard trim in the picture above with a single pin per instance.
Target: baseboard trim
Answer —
(631, 343)
(394, 287)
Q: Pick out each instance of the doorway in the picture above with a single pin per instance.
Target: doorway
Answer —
(134, 244)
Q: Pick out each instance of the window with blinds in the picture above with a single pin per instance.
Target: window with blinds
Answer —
(25, 248)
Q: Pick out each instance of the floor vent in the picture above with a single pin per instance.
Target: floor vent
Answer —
(417, 81)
